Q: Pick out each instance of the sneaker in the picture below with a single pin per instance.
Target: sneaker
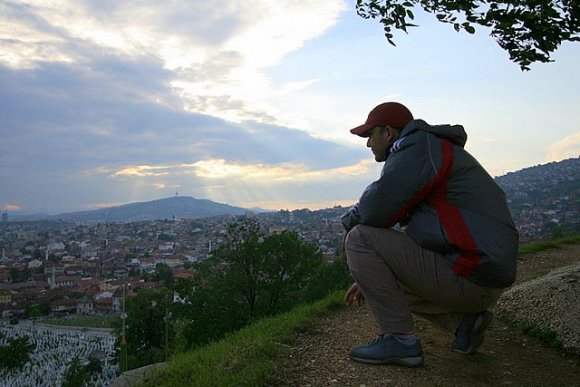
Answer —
(469, 333)
(386, 349)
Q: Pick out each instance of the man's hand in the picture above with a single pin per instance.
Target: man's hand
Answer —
(354, 294)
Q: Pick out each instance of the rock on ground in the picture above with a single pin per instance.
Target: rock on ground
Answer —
(549, 303)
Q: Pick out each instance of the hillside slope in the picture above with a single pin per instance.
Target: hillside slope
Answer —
(508, 356)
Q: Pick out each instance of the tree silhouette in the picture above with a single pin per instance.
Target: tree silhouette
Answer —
(530, 31)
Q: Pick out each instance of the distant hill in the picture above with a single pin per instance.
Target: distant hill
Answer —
(178, 207)
(544, 199)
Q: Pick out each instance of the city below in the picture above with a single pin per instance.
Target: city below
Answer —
(47, 259)
(56, 267)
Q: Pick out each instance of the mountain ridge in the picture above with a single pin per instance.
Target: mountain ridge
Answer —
(166, 208)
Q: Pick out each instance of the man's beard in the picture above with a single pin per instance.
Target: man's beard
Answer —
(384, 154)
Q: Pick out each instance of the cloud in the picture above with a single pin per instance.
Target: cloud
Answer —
(141, 171)
(292, 87)
(109, 102)
(222, 169)
(11, 207)
(216, 51)
(66, 130)
(566, 148)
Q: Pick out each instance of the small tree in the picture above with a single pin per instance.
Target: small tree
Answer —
(145, 327)
(330, 277)
(241, 255)
(164, 274)
(289, 265)
(16, 353)
(76, 374)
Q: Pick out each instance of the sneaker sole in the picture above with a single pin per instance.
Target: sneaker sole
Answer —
(477, 336)
(406, 361)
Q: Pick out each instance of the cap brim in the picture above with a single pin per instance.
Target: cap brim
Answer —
(362, 130)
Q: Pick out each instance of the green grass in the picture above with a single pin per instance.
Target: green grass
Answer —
(81, 321)
(535, 247)
(546, 336)
(248, 357)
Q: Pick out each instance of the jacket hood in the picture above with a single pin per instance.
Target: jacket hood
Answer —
(454, 133)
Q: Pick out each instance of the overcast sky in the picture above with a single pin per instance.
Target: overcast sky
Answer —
(248, 102)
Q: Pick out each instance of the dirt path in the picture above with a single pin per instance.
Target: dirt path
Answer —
(508, 357)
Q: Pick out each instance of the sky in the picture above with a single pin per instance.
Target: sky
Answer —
(248, 103)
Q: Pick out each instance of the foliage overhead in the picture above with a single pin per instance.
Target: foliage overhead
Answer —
(530, 31)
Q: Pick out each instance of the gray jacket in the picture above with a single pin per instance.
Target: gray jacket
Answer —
(446, 202)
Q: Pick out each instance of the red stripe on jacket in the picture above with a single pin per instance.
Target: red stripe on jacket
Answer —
(435, 191)
(452, 220)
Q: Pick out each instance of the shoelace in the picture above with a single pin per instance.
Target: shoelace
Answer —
(377, 339)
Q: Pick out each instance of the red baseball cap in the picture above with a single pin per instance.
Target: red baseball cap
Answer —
(386, 114)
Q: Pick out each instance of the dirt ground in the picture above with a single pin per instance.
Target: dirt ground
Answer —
(507, 357)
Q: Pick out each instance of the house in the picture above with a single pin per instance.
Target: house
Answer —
(56, 246)
(85, 305)
(86, 284)
(5, 297)
(4, 274)
(51, 268)
(34, 264)
(120, 273)
(171, 261)
(148, 264)
(108, 286)
(103, 295)
(63, 281)
(63, 306)
(104, 305)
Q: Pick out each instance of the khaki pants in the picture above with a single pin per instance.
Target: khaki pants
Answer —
(398, 277)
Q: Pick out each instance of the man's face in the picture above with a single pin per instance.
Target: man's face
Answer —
(380, 141)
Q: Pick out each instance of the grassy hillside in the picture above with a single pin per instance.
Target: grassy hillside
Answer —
(245, 358)
(249, 357)
(534, 247)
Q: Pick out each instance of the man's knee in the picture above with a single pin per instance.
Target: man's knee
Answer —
(357, 248)
(353, 237)
(355, 241)
(362, 236)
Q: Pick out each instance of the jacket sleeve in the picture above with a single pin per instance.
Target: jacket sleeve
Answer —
(410, 173)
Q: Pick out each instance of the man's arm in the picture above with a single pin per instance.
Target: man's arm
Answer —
(407, 177)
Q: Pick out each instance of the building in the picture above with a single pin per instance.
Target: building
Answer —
(5, 297)
(85, 306)
(63, 282)
(64, 306)
(104, 305)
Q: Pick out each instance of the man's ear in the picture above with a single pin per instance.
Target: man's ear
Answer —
(393, 133)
